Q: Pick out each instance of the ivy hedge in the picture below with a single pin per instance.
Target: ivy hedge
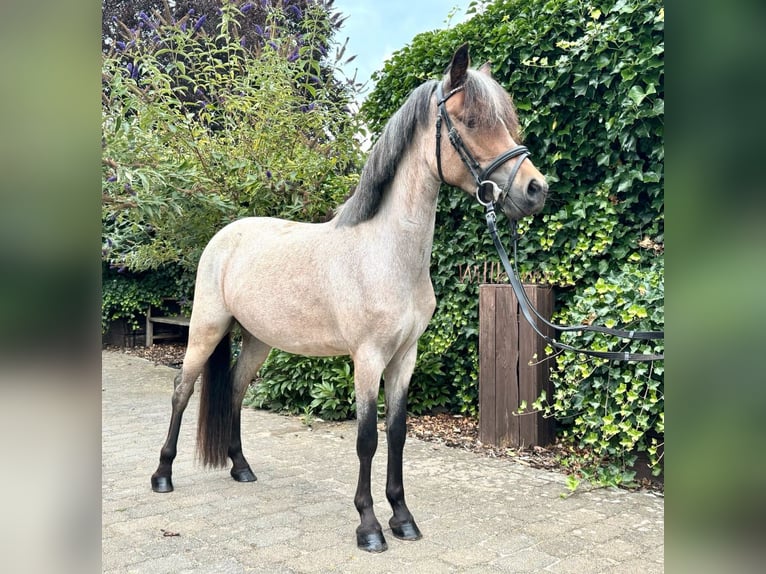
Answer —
(588, 81)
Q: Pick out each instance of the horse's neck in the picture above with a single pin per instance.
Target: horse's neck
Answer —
(408, 214)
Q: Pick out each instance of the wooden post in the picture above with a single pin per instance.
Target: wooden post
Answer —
(507, 346)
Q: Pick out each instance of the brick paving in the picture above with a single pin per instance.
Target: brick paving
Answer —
(477, 514)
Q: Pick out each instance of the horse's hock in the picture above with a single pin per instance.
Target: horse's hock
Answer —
(510, 368)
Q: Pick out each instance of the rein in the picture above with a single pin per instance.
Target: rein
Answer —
(481, 178)
(528, 309)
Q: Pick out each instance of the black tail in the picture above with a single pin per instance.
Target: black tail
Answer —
(215, 407)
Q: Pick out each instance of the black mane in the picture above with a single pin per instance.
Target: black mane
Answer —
(385, 155)
(486, 103)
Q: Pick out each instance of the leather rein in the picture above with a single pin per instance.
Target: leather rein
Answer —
(483, 184)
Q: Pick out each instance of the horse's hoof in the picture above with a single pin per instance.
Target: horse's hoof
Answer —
(371, 542)
(243, 475)
(162, 484)
(406, 530)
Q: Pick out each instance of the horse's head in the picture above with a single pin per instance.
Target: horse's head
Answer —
(477, 141)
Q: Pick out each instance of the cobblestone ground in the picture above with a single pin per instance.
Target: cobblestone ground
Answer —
(477, 514)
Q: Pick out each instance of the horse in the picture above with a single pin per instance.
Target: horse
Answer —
(357, 284)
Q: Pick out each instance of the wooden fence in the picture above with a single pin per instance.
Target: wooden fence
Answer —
(510, 368)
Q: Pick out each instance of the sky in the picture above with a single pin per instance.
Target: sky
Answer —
(377, 28)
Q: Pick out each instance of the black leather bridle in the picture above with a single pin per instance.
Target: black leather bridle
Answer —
(481, 178)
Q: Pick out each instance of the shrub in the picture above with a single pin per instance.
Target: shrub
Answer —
(199, 130)
(126, 295)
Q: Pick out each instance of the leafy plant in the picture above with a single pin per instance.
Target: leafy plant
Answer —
(199, 130)
(309, 385)
(613, 410)
(126, 295)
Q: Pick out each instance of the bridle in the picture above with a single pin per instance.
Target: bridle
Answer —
(481, 178)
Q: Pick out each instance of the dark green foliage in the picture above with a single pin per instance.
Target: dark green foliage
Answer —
(318, 385)
(126, 295)
(588, 81)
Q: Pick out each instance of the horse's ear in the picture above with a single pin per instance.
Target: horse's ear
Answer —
(486, 68)
(459, 66)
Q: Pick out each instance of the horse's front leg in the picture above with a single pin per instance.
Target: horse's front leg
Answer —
(397, 377)
(369, 534)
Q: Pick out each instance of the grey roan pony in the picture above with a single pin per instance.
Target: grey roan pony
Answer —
(356, 285)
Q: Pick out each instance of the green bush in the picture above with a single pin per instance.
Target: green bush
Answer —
(199, 130)
(613, 410)
(322, 386)
(126, 295)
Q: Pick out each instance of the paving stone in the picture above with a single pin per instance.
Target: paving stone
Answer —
(478, 514)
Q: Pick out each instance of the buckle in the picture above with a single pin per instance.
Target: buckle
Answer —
(495, 193)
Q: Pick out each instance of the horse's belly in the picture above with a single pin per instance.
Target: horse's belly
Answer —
(298, 335)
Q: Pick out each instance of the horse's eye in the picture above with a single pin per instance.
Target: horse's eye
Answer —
(470, 123)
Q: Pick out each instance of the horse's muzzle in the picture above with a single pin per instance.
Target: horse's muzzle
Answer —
(517, 203)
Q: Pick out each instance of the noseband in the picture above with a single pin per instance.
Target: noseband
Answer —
(480, 176)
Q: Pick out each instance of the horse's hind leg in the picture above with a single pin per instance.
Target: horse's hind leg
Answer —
(253, 353)
(397, 376)
(202, 343)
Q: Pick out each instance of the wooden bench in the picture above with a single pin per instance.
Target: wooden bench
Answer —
(151, 336)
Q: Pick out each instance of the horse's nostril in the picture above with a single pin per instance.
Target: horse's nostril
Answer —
(536, 188)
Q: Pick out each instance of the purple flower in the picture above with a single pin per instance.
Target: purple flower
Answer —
(273, 45)
(147, 20)
(296, 11)
(307, 108)
(258, 30)
(132, 70)
(246, 8)
(183, 26)
(112, 179)
(199, 23)
(242, 41)
(268, 174)
(120, 45)
(293, 56)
